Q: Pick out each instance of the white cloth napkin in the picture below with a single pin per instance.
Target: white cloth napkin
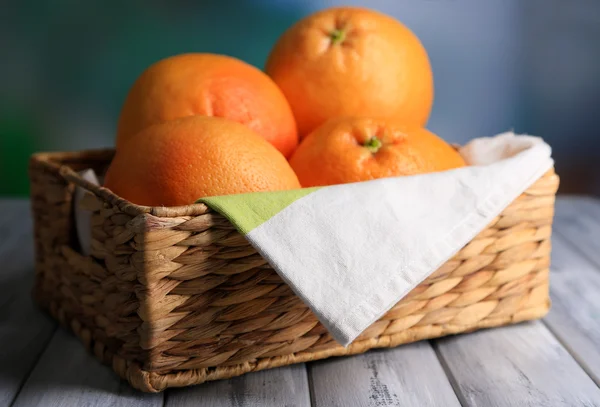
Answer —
(352, 251)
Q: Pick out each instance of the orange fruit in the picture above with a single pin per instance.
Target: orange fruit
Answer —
(209, 85)
(177, 162)
(359, 149)
(352, 62)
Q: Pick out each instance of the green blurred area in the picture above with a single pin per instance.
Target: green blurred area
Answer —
(18, 134)
(70, 64)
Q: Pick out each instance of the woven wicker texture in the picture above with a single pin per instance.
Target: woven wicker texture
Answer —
(176, 296)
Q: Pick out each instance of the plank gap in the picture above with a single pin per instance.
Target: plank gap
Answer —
(573, 352)
(32, 367)
(311, 385)
(449, 374)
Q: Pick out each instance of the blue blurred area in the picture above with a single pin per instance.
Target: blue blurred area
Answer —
(532, 66)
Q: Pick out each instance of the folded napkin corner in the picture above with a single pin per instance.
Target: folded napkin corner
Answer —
(352, 251)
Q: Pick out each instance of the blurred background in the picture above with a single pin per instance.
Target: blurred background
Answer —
(532, 66)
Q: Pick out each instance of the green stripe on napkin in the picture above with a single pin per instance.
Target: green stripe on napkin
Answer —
(248, 211)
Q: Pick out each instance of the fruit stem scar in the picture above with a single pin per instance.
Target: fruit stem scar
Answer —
(373, 144)
(337, 36)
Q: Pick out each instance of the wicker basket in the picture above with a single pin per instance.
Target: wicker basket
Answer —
(176, 296)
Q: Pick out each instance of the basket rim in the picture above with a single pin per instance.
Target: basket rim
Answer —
(58, 163)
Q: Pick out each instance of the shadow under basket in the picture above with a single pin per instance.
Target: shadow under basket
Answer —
(175, 296)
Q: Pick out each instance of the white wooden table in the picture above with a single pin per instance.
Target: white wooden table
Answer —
(553, 362)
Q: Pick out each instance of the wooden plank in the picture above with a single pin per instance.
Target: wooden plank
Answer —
(24, 330)
(409, 375)
(578, 219)
(518, 365)
(67, 375)
(285, 386)
(15, 222)
(12, 204)
(583, 349)
(575, 314)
